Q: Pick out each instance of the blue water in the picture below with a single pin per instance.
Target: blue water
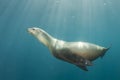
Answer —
(22, 57)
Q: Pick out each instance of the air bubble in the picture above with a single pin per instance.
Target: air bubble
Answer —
(104, 4)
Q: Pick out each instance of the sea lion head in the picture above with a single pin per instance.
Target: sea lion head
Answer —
(42, 36)
(36, 31)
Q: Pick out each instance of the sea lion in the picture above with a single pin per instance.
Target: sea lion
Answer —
(80, 54)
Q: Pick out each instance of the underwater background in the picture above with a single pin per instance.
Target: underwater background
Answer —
(22, 57)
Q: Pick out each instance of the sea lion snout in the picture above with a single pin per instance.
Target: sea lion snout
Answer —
(30, 29)
(34, 31)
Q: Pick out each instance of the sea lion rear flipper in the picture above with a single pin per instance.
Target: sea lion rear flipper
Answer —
(104, 51)
(82, 67)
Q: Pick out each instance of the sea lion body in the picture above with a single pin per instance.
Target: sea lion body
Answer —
(80, 54)
(83, 49)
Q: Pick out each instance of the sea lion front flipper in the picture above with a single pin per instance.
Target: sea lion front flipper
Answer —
(88, 62)
(82, 67)
(83, 62)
